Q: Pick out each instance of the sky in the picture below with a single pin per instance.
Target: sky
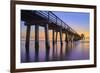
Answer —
(77, 20)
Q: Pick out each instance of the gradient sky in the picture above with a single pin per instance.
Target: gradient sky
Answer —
(77, 20)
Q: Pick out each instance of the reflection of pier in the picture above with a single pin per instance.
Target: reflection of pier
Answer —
(49, 21)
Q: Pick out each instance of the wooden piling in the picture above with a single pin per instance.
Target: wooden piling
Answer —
(36, 42)
(61, 37)
(56, 42)
(27, 40)
(61, 47)
(53, 37)
(47, 44)
(56, 36)
(47, 37)
(53, 42)
(69, 38)
(72, 39)
(66, 38)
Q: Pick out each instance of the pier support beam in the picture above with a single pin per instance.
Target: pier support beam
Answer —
(56, 36)
(53, 38)
(27, 39)
(66, 38)
(72, 39)
(36, 42)
(56, 42)
(47, 44)
(61, 42)
(61, 47)
(27, 43)
(69, 38)
(53, 43)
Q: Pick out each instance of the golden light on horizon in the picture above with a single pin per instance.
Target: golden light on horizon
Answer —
(86, 34)
(42, 35)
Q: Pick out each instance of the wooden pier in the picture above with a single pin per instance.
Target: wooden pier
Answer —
(49, 21)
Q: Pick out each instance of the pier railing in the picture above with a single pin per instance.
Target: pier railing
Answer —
(52, 18)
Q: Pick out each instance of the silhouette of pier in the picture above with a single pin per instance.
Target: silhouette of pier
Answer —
(49, 21)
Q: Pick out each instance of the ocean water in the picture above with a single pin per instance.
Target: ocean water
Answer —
(78, 50)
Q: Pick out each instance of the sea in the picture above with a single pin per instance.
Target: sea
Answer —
(77, 50)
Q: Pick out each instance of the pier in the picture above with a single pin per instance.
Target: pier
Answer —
(49, 21)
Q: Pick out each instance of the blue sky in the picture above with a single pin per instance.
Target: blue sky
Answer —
(75, 20)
